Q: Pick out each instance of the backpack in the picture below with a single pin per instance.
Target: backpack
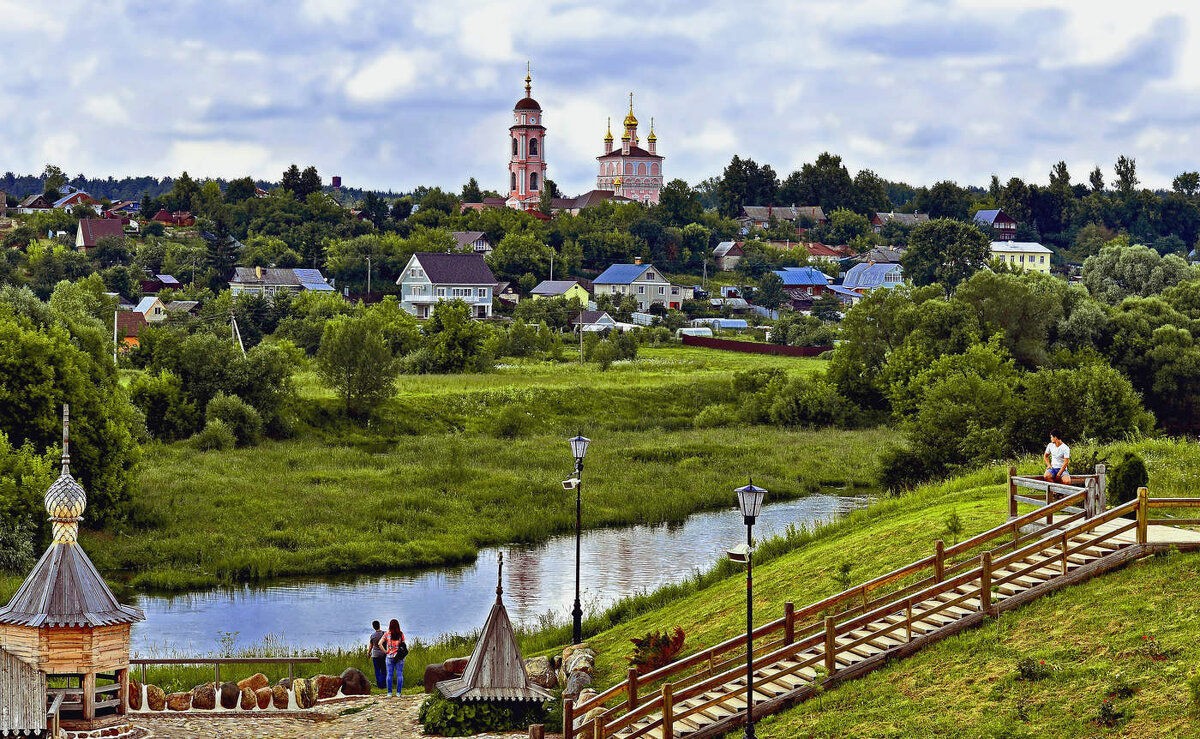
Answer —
(396, 647)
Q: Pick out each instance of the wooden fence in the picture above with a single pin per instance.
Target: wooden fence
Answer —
(22, 696)
(752, 347)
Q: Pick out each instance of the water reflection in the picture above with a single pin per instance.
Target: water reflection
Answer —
(539, 579)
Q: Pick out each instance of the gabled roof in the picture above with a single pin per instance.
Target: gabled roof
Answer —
(455, 269)
(182, 306)
(868, 276)
(551, 288)
(907, 219)
(64, 589)
(591, 317)
(990, 216)
(883, 254)
(309, 279)
(468, 238)
(1020, 247)
(803, 276)
(94, 229)
(36, 200)
(167, 280)
(145, 304)
(130, 323)
(728, 249)
(817, 249)
(621, 274)
(783, 212)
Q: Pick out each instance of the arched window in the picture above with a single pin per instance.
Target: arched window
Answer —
(641, 168)
(654, 168)
(628, 167)
(514, 147)
(533, 181)
(514, 178)
(533, 147)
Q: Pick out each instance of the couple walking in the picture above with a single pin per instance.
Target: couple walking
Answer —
(388, 650)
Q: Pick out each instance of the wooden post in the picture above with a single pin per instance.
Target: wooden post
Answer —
(1012, 493)
(668, 710)
(985, 583)
(1049, 500)
(1143, 513)
(537, 731)
(88, 685)
(1102, 484)
(939, 561)
(568, 727)
(1063, 545)
(830, 645)
(1092, 506)
(789, 622)
(632, 684)
(123, 691)
(597, 728)
(217, 672)
(908, 620)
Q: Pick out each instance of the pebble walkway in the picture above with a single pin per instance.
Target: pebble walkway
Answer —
(371, 717)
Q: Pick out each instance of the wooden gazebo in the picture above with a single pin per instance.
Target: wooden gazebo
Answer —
(496, 670)
(64, 619)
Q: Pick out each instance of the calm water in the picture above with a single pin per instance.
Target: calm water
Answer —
(537, 579)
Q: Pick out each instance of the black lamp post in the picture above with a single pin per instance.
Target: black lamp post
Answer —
(579, 446)
(750, 498)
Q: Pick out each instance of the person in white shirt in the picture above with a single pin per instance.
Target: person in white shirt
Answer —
(1057, 458)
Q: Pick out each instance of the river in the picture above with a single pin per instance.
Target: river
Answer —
(538, 579)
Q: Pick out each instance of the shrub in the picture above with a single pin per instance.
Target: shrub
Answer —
(242, 420)
(903, 469)
(1109, 715)
(1127, 476)
(215, 436)
(1033, 670)
(443, 717)
(604, 354)
(16, 546)
(655, 649)
(810, 402)
(715, 416)
(511, 422)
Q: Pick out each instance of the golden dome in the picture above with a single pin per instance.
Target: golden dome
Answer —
(630, 118)
(608, 137)
(652, 137)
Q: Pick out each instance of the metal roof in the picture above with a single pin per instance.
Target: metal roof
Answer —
(455, 269)
(621, 274)
(869, 276)
(1020, 247)
(65, 589)
(312, 279)
(803, 276)
(553, 287)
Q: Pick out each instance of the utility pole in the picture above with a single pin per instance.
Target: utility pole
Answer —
(368, 279)
(115, 313)
(552, 265)
(237, 334)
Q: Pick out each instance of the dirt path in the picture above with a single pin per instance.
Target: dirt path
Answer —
(370, 717)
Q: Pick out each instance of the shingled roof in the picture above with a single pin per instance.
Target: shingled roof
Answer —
(455, 269)
(65, 589)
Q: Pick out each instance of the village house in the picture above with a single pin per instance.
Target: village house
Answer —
(129, 326)
(882, 255)
(808, 280)
(728, 254)
(593, 320)
(33, 204)
(157, 283)
(91, 230)
(762, 216)
(271, 280)
(477, 241)
(1024, 255)
(181, 218)
(825, 254)
(561, 289)
(429, 279)
(70, 197)
(865, 277)
(1000, 225)
(904, 219)
(183, 307)
(506, 293)
(152, 309)
(645, 283)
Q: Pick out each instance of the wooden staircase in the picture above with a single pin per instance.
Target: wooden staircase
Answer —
(850, 634)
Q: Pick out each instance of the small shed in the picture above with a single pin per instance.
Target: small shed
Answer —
(496, 670)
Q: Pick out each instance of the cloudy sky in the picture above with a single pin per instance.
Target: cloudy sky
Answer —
(396, 94)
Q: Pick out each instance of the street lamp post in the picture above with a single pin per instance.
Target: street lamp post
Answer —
(579, 446)
(750, 498)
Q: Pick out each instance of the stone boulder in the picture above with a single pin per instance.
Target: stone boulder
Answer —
(354, 682)
(254, 682)
(204, 697)
(434, 674)
(230, 695)
(573, 648)
(305, 692)
(286, 683)
(279, 697)
(576, 681)
(156, 698)
(541, 672)
(581, 660)
(456, 665)
(179, 701)
(327, 686)
(249, 700)
(263, 697)
(135, 695)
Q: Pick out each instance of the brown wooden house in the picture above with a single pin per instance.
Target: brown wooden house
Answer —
(66, 622)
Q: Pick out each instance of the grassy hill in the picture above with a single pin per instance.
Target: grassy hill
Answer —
(966, 686)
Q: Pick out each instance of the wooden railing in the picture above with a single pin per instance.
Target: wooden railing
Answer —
(802, 625)
(53, 721)
(909, 604)
(1096, 484)
(1160, 503)
(216, 662)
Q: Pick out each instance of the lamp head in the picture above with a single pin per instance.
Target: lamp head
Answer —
(579, 446)
(750, 498)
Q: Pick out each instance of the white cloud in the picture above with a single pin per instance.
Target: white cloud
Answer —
(384, 78)
(222, 159)
(105, 108)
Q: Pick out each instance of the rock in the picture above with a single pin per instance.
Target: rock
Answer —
(204, 697)
(541, 673)
(434, 674)
(581, 662)
(263, 697)
(327, 686)
(279, 696)
(286, 683)
(249, 700)
(254, 682)
(135, 695)
(573, 648)
(179, 701)
(355, 683)
(456, 665)
(156, 698)
(577, 681)
(305, 692)
(230, 695)
(585, 695)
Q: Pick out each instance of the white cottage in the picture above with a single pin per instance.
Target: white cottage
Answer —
(430, 278)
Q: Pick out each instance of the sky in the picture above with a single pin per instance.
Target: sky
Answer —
(391, 95)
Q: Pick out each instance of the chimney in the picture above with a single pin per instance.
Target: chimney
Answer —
(258, 272)
(637, 260)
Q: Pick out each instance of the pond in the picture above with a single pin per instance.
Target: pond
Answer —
(538, 580)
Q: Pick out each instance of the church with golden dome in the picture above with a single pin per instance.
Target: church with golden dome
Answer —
(631, 171)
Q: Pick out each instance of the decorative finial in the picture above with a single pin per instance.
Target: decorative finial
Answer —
(608, 135)
(652, 136)
(66, 455)
(66, 499)
(528, 81)
(631, 120)
(500, 578)
(631, 103)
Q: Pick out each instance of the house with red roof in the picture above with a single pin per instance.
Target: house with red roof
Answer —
(180, 218)
(91, 230)
(129, 326)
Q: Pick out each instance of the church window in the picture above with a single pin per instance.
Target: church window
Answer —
(642, 168)
(654, 168)
(628, 167)
(533, 185)
(514, 147)
(533, 147)
(514, 178)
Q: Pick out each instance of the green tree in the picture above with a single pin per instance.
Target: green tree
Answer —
(944, 251)
(240, 189)
(471, 192)
(1120, 271)
(770, 293)
(846, 226)
(1186, 183)
(453, 340)
(291, 180)
(52, 179)
(1126, 171)
(310, 182)
(355, 360)
(517, 254)
(679, 205)
(1096, 180)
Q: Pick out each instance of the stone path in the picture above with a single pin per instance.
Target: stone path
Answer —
(371, 716)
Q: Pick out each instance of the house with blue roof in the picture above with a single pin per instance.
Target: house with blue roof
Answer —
(1001, 225)
(645, 283)
(809, 280)
(863, 278)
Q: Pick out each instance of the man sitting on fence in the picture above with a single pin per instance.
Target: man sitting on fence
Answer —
(1057, 458)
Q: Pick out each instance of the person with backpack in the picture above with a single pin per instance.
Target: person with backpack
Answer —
(395, 649)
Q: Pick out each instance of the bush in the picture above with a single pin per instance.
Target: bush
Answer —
(655, 649)
(237, 415)
(715, 416)
(904, 469)
(511, 422)
(1032, 670)
(810, 402)
(604, 354)
(1127, 476)
(16, 546)
(216, 436)
(443, 717)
